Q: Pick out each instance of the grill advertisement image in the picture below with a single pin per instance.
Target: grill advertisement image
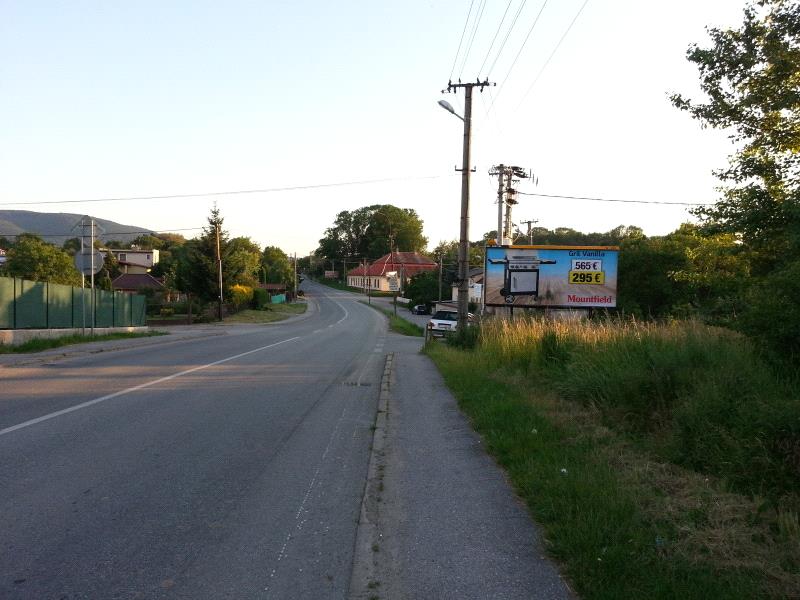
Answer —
(551, 276)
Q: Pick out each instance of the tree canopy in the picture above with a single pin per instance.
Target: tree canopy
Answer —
(371, 231)
(751, 78)
(32, 258)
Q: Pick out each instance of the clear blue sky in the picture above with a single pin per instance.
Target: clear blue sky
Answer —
(117, 99)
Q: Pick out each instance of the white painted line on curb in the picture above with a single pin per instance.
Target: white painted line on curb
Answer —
(135, 388)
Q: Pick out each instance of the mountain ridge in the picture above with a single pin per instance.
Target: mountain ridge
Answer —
(56, 228)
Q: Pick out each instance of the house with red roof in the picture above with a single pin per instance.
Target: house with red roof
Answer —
(375, 276)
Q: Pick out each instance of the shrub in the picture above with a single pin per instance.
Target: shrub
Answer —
(260, 298)
(241, 295)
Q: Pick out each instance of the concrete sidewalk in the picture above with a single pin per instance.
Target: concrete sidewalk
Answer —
(444, 521)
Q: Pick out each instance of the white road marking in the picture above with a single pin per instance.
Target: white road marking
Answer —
(302, 508)
(135, 388)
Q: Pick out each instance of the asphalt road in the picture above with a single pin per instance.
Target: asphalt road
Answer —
(230, 466)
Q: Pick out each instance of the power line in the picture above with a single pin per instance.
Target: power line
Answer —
(455, 60)
(105, 234)
(478, 17)
(521, 48)
(616, 200)
(505, 39)
(227, 193)
(494, 39)
(547, 62)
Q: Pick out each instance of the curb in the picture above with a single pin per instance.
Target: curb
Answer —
(364, 579)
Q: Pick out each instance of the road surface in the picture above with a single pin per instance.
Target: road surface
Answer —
(230, 466)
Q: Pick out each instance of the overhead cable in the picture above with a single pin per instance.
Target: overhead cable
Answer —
(494, 39)
(478, 17)
(616, 199)
(521, 48)
(547, 62)
(505, 39)
(105, 234)
(461, 41)
(227, 193)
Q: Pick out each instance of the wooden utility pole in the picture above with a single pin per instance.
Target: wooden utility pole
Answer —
(529, 223)
(463, 246)
(440, 277)
(219, 273)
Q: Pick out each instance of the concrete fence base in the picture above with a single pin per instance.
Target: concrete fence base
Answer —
(15, 337)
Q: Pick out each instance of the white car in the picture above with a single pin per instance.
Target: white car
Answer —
(444, 321)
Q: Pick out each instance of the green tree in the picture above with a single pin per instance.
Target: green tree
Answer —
(423, 288)
(751, 77)
(368, 232)
(110, 271)
(72, 246)
(277, 266)
(645, 284)
(32, 258)
(241, 261)
(196, 271)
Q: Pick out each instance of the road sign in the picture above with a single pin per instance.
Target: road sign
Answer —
(83, 262)
(394, 284)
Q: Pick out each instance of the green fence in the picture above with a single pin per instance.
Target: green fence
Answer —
(40, 305)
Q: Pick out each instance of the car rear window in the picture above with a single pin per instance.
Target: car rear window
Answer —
(445, 315)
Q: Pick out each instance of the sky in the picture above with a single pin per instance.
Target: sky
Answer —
(110, 99)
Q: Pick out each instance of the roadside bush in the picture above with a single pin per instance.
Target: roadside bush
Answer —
(772, 312)
(260, 298)
(241, 295)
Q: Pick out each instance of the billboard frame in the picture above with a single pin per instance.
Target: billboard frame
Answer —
(529, 278)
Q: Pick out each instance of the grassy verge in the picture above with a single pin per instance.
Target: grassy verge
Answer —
(398, 324)
(346, 288)
(659, 460)
(275, 312)
(47, 344)
(336, 284)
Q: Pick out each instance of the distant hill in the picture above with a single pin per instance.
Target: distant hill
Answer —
(56, 228)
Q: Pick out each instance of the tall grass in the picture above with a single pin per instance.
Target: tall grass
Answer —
(698, 396)
(662, 460)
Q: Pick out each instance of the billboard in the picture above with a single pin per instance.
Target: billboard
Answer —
(551, 276)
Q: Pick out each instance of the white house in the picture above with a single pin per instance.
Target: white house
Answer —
(135, 261)
(475, 287)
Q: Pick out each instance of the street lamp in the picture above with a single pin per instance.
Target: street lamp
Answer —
(449, 108)
(463, 246)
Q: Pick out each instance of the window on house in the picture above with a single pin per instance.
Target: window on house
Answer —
(147, 256)
(122, 256)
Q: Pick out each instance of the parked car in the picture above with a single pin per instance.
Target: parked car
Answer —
(421, 309)
(445, 321)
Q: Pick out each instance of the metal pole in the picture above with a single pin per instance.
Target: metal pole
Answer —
(463, 252)
(91, 249)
